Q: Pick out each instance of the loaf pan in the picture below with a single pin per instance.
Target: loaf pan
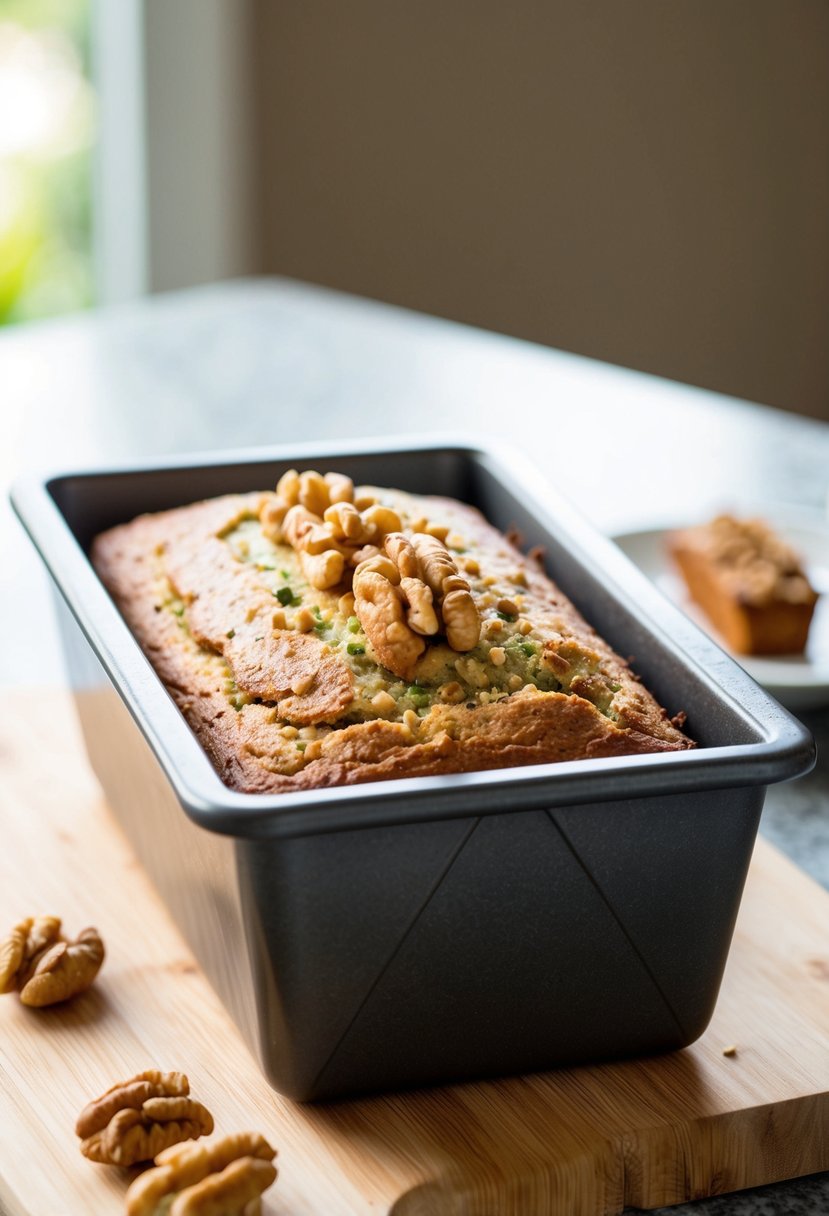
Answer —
(423, 930)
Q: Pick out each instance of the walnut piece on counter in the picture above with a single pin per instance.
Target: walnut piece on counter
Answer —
(135, 1120)
(25, 942)
(45, 968)
(225, 1178)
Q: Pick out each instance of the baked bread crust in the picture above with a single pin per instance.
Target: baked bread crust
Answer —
(251, 692)
(749, 582)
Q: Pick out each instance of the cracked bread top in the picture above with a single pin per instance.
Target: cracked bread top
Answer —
(439, 648)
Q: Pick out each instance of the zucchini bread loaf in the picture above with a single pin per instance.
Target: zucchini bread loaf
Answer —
(322, 635)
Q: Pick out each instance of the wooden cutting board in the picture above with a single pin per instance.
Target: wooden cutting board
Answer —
(582, 1142)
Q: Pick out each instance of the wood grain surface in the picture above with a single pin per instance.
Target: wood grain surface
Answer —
(581, 1142)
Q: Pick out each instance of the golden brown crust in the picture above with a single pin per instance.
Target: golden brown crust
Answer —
(248, 747)
(230, 612)
(306, 683)
(749, 583)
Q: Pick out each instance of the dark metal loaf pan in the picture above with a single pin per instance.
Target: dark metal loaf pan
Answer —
(463, 926)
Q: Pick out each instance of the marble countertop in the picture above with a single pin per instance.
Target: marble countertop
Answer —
(270, 361)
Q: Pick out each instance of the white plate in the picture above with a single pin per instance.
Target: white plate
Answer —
(798, 681)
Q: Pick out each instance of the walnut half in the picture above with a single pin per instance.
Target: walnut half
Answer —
(43, 966)
(136, 1119)
(226, 1178)
(323, 521)
(461, 619)
(412, 592)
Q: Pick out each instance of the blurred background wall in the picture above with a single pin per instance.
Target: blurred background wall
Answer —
(202, 163)
(644, 182)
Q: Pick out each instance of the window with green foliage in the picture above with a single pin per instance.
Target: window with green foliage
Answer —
(47, 131)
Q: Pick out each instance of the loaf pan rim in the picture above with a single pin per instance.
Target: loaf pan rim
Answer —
(785, 751)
